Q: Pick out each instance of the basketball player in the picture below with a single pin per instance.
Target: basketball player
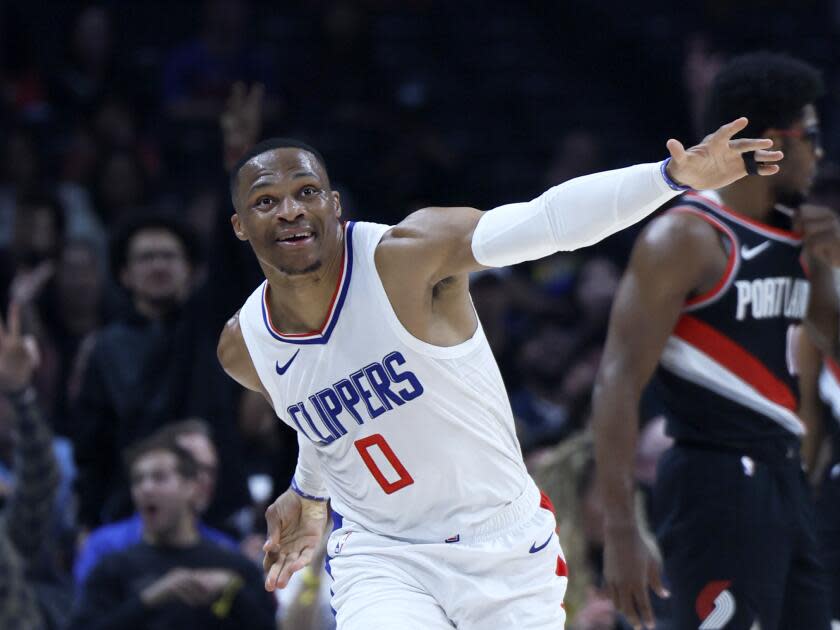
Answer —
(365, 340)
(714, 294)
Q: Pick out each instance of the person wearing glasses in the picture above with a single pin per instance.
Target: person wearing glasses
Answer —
(712, 303)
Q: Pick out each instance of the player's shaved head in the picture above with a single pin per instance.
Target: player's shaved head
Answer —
(265, 146)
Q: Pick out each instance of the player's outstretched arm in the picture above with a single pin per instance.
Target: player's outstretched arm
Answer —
(672, 257)
(443, 242)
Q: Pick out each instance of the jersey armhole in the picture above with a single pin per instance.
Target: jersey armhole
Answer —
(732, 263)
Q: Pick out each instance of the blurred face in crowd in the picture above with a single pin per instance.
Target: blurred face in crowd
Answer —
(803, 152)
(79, 279)
(36, 234)
(157, 272)
(204, 452)
(286, 209)
(162, 495)
(120, 183)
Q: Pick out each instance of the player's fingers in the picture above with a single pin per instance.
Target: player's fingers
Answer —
(768, 156)
(641, 602)
(768, 169)
(655, 580)
(271, 557)
(742, 145)
(676, 149)
(625, 605)
(273, 572)
(289, 568)
(730, 129)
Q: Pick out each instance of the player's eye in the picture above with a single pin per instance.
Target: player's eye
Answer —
(308, 191)
(263, 202)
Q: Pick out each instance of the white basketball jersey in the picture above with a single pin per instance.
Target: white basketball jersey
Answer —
(415, 441)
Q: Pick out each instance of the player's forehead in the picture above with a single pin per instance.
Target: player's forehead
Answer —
(277, 165)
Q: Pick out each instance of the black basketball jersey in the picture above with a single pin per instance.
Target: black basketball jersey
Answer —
(727, 371)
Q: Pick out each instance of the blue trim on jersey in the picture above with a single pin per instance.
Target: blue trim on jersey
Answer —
(324, 336)
(338, 521)
(311, 497)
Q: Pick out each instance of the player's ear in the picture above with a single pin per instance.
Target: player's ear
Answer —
(337, 202)
(237, 227)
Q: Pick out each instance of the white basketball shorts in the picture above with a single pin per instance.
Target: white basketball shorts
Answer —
(507, 573)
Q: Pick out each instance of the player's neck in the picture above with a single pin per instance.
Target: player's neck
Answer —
(751, 197)
(299, 304)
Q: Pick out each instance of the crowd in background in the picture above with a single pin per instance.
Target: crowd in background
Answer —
(119, 122)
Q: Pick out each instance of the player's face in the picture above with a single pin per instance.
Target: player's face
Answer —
(803, 151)
(161, 494)
(287, 211)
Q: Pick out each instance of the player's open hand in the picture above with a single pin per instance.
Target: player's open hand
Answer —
(295, 528)
(630, 568)
(717, 161)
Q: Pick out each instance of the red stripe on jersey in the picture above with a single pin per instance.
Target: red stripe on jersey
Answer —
(545, 502)
(330, 308)
(730, 264)
(734, 358)
(562, 569)
(737, 216)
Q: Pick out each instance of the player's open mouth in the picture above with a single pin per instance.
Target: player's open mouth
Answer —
(296, 239)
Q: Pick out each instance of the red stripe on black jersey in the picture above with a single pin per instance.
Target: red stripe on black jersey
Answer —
(726, 278)
(735, 359)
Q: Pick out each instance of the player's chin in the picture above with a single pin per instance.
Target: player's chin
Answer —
(300, 268)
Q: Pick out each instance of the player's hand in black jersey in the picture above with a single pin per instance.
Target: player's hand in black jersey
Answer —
(820, 229)
(295, 528)
(717, 161)
(630, 567)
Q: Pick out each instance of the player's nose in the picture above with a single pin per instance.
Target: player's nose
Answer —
(289, 209)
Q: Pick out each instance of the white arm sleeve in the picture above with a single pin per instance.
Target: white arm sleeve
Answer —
(307, 481)
(577, 213)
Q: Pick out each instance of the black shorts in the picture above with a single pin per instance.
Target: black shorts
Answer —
(828, 525)
(739, 540)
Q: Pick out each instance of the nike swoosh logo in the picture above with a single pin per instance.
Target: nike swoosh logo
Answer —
(535, 549)
(751, 252)
(282, 370)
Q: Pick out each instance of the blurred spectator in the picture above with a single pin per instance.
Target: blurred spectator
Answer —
(199, 74)
(25, 525)
(539, 405)
(175, 578)
(19, 167)
(194, 437)
(122, 187)
(154, 363)
(90, 67)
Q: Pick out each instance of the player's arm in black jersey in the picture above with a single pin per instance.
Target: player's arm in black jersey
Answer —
(678, 255)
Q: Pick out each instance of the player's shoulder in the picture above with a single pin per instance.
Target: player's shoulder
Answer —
(680, 230)
(231, 344)
(432, 221)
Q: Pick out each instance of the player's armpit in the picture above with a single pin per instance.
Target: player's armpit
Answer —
(234, 358)
(431, 244)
